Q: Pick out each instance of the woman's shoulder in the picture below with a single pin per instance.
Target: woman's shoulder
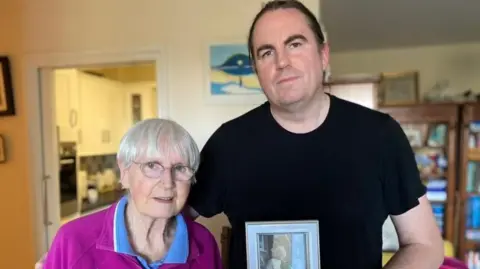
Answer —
(74, 240)
(84, 227)
(203, 245)
(198, 231)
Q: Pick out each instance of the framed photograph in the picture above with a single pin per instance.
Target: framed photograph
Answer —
(416, 134)
(3, 155)
(231, 76)
(7, 106)
(399, 88)
(283, 244)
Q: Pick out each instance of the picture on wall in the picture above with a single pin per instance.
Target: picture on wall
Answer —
(289, 244)
(3, 157)
(6, 89)
(232, 77)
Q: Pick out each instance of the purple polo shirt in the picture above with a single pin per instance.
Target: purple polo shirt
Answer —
(99, 241)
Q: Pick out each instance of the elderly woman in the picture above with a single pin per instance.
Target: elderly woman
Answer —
(145, 229)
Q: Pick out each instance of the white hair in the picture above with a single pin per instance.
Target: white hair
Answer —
(151, 138)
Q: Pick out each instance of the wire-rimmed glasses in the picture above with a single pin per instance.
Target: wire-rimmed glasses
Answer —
(155, 170)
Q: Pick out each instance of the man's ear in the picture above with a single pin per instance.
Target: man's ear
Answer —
(325, 56)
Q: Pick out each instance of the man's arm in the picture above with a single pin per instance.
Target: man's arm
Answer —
(206, 196)
(421, 244)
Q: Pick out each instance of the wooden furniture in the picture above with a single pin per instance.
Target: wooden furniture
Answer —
(225, 245)
(420, 122)
(357, 89)
(469, 185)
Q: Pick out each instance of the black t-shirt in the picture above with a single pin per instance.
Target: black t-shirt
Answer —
(349, 174)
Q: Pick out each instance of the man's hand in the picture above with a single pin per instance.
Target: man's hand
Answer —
(39, 264)
(421, 243)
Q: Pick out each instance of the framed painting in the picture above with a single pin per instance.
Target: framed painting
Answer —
(231, 76)
(285, 244)
(3, 155)
(399, 88)
(7, 104)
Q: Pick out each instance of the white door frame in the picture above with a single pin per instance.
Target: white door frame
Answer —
(42, 138)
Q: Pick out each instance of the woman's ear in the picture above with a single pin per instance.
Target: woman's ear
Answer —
(123, 175)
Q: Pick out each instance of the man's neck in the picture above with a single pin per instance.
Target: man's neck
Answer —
(306, 118)
(146, 233)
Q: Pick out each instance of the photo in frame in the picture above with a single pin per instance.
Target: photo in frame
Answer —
(7, 104)
(3, 155)
(231, 76)
(283, 244)
(399, 88)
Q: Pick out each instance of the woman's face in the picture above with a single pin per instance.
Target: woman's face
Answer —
(154, 189)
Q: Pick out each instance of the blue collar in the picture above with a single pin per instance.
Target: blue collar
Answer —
(178, 252)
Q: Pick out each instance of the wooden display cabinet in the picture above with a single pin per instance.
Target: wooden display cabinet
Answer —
(432, 131)
(469, 183)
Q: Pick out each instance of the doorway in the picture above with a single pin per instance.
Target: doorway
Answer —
(94, 107)
(80, 110)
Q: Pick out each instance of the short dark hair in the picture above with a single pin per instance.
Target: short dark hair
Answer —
(284, 4)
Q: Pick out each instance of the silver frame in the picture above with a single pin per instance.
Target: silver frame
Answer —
(310, 227)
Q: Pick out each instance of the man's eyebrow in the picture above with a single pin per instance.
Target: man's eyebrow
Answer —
(286, 42)
(295, 37)
(264, 47)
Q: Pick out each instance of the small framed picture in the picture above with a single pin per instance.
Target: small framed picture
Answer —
(283, 244)
(416, 134)
(399, 88)
(3, 157)
(7, 107)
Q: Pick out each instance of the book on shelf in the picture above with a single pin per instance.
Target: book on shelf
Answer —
(472, 186)
(473, 259)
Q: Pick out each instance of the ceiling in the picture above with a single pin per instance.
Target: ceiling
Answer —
(137, 72)
(377, 24)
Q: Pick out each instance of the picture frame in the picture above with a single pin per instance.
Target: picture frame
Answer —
(283, 244)
(230, 77)
(416, 133)
(7, 104)
(399, 88)
(3, 154)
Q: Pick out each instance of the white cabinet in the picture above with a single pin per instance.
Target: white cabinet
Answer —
(95, 112)
(67, 104)
(87, 109)
(101, 102)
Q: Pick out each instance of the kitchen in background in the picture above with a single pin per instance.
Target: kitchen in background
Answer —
(94, 108)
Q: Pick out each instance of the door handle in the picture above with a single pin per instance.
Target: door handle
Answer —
(46, 222)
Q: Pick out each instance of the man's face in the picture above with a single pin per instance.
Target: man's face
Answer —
(288, 60)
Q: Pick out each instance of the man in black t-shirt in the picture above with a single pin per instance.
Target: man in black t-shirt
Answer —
(307, 155)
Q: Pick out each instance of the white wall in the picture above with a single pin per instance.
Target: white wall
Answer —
(181, 28)
(458, 63)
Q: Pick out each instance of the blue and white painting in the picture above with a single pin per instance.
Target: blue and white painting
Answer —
(231, 72)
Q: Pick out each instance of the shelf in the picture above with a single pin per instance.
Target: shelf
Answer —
(473, 154)
(470, 245)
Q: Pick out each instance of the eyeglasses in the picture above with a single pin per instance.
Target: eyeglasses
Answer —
(155, 170)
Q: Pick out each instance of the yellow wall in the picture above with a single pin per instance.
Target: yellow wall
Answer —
(458, 63)
(16, 238)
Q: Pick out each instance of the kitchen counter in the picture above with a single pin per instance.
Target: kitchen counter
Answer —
(104, 199)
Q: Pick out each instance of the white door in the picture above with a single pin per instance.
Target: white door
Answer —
(50, 156)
